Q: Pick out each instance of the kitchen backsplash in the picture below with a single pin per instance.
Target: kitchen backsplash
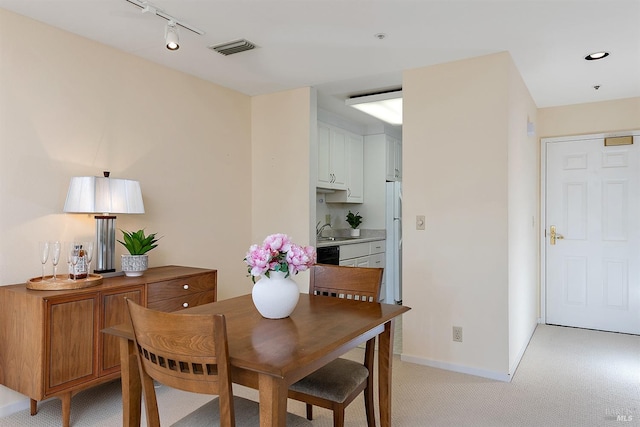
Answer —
(337, 213)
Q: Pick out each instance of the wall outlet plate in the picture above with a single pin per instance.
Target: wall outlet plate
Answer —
(457, 333)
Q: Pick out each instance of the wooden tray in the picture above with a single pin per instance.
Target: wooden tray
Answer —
(62, 282)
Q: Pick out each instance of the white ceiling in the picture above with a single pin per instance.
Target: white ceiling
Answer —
(330, 44)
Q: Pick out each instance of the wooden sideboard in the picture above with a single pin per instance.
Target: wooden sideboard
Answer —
(50, 341)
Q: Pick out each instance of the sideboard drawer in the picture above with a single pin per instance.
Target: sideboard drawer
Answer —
(182, 302)
(183, 287)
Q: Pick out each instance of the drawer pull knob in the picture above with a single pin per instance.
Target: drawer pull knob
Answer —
(185, 304)
(185, 286)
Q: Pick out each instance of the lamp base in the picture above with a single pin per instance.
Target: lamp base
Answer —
(106, 243)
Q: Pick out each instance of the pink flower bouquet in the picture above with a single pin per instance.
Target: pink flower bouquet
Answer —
(278, 253)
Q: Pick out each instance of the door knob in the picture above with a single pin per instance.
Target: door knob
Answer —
(554, 235)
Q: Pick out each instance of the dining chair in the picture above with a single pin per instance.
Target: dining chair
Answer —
(338, 383)
(190, 352)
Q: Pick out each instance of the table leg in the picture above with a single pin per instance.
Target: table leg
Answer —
(385, 358)
(131, 385)
(273, 401)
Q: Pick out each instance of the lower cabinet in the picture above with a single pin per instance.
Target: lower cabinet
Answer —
(51, 342)
(368, 254)
(114, 313)
(70, 323)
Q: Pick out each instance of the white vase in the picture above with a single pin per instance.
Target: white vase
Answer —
(355, 232)
(134, 265)
(275, 297)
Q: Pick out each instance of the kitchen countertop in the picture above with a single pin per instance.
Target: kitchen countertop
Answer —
(338, 241)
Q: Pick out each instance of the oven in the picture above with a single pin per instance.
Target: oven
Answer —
(328, 255)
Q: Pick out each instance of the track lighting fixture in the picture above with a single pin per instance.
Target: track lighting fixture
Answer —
(171, 31)
(171, 36)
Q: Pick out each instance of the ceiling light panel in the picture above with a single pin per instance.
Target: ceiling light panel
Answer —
(384, 106)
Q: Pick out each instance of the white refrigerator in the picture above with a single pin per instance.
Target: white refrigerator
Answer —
(393, 262)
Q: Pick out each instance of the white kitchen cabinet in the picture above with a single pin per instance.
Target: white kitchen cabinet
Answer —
(332, 158)
(377, 260)
(385, 154)
(394, 159)
(354, 152)
(368, 254)
(354, 255)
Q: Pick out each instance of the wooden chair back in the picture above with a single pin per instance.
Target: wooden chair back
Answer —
(184, 351)
(357, 283)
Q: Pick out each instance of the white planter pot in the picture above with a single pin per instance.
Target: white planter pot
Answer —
(134, 265)
(355, 232)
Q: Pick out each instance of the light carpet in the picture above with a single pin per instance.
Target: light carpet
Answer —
(567, 377)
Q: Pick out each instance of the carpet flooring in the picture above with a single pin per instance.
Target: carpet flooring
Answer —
(567, 377)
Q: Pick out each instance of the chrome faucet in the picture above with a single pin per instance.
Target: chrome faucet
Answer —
(319, 229)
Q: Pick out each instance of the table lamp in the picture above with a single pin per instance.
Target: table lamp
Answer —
(104, 196)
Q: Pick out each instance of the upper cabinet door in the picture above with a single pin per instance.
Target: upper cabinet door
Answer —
(394, 159)
(338, 154)
(354, 171)
(332, 162)
(324, 146)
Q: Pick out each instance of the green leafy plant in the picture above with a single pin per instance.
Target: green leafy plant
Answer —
(137, 243)
(354, 220)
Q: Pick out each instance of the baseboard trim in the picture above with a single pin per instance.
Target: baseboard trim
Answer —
(520, 355)
(498, 376)
(13, 407)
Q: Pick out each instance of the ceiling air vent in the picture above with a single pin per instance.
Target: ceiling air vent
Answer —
(236, 46)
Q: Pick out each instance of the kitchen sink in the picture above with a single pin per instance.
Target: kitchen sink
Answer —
(334, 239)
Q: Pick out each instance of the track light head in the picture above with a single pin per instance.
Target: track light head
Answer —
(171, 36)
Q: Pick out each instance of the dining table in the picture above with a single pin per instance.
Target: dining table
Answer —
(271, 354)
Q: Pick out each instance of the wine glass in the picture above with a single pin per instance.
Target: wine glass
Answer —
(73, 259)
(44, 254)
(88, 255)
(55, 257)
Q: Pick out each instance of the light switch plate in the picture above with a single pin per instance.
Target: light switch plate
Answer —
(420, 222)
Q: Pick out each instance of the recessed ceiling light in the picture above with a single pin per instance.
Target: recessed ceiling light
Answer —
(386, 106)
(596, 55)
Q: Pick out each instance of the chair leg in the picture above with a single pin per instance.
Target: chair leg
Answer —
(368, 391)
(309, 411)
(368, 407)
(338, 417)
(150, 402)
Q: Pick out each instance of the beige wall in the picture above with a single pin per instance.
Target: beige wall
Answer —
(212, 169)
(464, 137)
(281, 187)
(69, 106)
(596, 117)
(524, 212)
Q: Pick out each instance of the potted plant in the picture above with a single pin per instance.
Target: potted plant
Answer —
(137, 262)
(354, 221)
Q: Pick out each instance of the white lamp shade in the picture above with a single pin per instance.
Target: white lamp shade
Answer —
(92, 194)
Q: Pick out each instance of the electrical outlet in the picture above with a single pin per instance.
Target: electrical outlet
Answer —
(457, 333)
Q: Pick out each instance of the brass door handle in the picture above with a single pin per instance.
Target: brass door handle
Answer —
(554, 235)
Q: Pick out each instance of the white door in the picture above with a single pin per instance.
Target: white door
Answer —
(593, 266)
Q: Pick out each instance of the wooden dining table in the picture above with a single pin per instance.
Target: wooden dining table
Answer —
(269, 355)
